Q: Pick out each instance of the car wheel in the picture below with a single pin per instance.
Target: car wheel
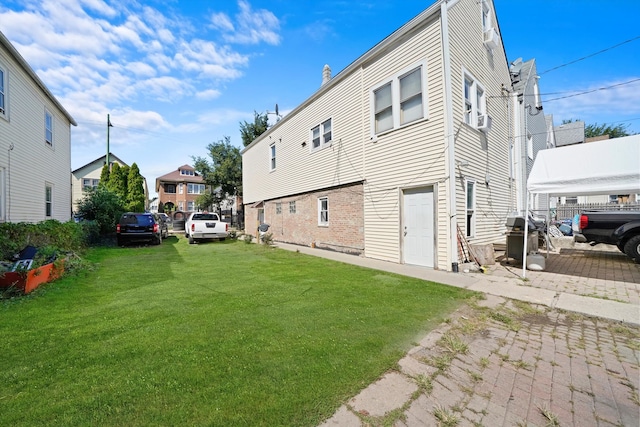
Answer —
(120, 242)
(157, 240)
(191, 240)
(632, 248)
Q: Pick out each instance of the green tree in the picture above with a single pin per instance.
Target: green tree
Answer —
(104, 176)
(102, 206)
(118, 180)
(616, 131)
(250, 131)
(593, 130)
(135, 190)
(223, 172)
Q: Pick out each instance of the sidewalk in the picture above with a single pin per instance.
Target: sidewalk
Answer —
(547, 351)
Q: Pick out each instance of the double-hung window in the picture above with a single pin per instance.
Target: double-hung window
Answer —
(191, 206)
(195, 188)
(399, 100)
(272, 157)
(323, 211)
(48, 128)
(321, 135)
(471, 208)
(88, 183)
(475, 102)
(278, 208)
(3, 92)
(48, 200)
(292, 207)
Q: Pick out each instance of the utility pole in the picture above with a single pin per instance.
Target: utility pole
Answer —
(109, 125)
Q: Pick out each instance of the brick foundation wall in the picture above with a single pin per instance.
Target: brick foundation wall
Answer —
(344, 233)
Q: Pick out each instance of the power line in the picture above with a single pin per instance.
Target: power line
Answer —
(593, 90)
(591, 55)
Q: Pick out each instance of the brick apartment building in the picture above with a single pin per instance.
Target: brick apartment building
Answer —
(178, 190)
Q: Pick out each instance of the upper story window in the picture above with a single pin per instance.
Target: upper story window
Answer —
(88, 183)
(195, 188)
(170, 188)
(321, 135)
(48, 128)
(187, 172)
(180, 188)
(278, 208)
(3, 92)
(272, 156)
(292, 207)
(490, 35)
(400, 100)
(486, 16)
(475, 102)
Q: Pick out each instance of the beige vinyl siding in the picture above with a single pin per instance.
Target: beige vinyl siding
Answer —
(486, 154)
(298, 169)
(410, 156)
(33, 163)
(92, 171)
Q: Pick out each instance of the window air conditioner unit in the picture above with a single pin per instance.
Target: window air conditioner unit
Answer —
(491, 38)
(484, 123)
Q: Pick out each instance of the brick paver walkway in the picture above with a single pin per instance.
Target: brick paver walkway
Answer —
(607, 274)
(506, 363)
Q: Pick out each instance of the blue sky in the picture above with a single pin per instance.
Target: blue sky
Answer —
(178, 75)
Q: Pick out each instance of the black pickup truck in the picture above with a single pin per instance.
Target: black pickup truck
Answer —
(620, 228)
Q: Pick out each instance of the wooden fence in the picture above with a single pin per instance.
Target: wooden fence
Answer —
(570, 210)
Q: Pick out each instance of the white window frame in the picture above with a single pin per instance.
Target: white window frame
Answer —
(191, 205)
(181, 188)
(323, 211)
(4, 89)
(181, 205)
(398, 104)
(529, 145)
(48, 128)
(474, 100)
(194, 188)
(186, 172)
(89, 183)
(48, 200)
(324, 137)
(470, 208)
(272, 157)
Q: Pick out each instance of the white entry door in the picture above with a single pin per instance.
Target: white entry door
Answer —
(418, 226)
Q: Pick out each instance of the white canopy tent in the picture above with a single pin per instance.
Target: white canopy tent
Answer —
(611, 166)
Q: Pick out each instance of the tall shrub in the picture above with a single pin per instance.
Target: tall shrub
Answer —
(102, 206)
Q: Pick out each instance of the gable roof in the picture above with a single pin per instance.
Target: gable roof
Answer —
(27, 68)
(102, 159)
(176, 176)
(569, 133)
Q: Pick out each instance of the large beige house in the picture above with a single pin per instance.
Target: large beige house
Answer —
(401, 152)
(35, 144)
(88, 176)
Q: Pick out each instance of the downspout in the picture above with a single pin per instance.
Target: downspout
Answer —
(449, 137)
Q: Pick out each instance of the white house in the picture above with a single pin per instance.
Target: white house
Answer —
(35, 144)
(88, 176)
(397, 152)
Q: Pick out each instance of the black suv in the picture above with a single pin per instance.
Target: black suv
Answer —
(141, 227)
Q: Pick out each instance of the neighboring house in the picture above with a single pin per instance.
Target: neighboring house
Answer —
(400, 149)
(178, 190)
(35, 144)
(530, 132)
(88, 176)
(569, 133)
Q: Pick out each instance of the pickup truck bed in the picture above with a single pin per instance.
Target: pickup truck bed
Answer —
(620, 228)
(205, 226)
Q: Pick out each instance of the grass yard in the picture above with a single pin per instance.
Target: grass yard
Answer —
(221, 333)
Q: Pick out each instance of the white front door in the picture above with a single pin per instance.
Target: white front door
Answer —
(418, 226)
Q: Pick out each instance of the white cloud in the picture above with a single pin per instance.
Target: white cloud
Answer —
(208, 94)
(252, 27)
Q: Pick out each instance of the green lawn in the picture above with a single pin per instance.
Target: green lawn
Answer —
(221, 333)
